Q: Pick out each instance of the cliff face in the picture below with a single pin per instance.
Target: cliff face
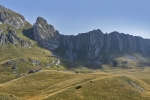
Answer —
(92, 45)
(13, 38)
(3, 38)
(10, 17)
(45, 34)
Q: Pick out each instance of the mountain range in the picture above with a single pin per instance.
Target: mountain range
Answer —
(93, 47)
(37, 62)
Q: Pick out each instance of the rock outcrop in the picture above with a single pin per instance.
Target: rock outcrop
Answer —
(13, 38)
(3, 38)
(10, 17)
(93, 45)
(10, 22)
(45, 34)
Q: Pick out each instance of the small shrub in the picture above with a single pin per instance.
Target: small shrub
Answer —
(115, 63)
(91, 81)
(11, 95)
(78, 87)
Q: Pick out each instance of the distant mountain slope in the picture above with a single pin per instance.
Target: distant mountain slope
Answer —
(93, 45)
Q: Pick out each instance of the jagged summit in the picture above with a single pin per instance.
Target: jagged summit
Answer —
(92, 45)
(45, 34)
(41, 20)
(43, 23)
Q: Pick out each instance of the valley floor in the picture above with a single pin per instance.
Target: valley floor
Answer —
(114, 84)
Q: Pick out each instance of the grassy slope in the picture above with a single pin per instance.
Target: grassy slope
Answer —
(116, 87)
(13, 53)
(40, 84)
(10, 52)
(4, 96)
(57, 85)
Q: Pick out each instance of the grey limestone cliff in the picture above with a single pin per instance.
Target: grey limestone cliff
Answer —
(92, 45)
(45, 34)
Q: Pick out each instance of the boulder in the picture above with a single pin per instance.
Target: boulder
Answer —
(14, 67)
(37, 70)
(48, 64)
(57, 62)
(31, 71)
(53, 61)
(35, 62)
(115, 63)
(10, 62)
(14, 72)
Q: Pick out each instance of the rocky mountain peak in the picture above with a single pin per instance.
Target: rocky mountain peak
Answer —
(45, 34)
(43, 24)
(10, 17)
(40, 20)
(94, 45)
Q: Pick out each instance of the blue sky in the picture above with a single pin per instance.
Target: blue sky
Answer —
(79, 16)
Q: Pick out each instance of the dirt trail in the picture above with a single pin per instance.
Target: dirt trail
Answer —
(56, 91)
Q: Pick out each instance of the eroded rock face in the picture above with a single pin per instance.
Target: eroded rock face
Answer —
(45, 34)
(96, 42)
(3, 38)
(93, 45)
(10, 17)
(70, 55)
(13, 38)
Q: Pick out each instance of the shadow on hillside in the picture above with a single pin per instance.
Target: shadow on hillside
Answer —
(143, 64)
(28, 33)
